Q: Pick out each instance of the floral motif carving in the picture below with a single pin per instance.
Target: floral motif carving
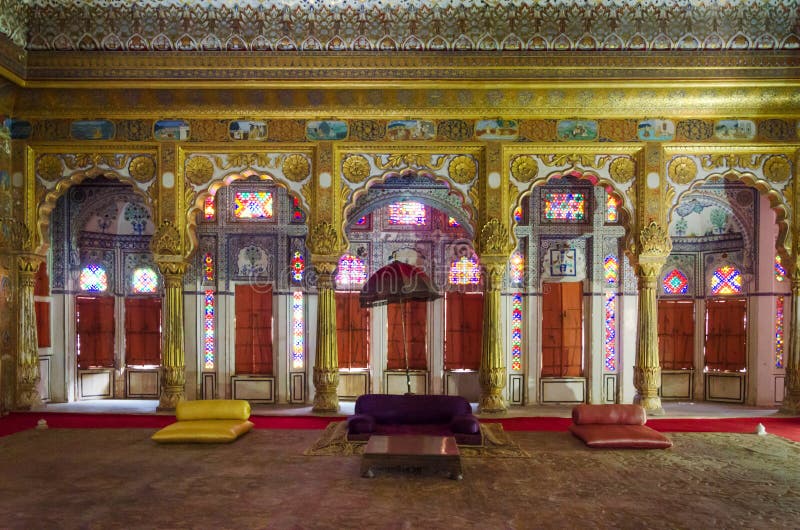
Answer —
(777, 169)
(296, 167)
(13, 234)
(414, 160)
(355, 168)
(682, 169)
(654, 240)
(524, 168)
(142, 168)
(199, 170)
(575, 160)
(166, 241)
(731, 160)
(323, 239)
(622, 169)
(462, 169)
(494, 238)
(49, 168)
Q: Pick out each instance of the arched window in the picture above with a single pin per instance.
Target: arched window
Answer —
(675, 282)
(516, 268)
(145, 280)
(351, 272)
(726, 280)
(253, 205)
(464, 271)
(94, 278)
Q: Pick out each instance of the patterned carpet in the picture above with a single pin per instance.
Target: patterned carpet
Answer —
(119, 478)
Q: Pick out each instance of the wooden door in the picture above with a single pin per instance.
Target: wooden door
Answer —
(352, 331)
(726, 340)
(676, 334)
(95, 331)
(463, 339)
(562, 329)
(253, 329)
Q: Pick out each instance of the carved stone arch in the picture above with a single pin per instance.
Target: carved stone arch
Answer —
(196, 206)
(410, 185)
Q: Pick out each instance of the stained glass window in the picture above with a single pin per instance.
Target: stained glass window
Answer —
(297, 210)
(518, 214)
(209, 210)
(452, 223)
(611, 269)
(252, 205)
(564, 206)
(93, 278)
(361, 221)
(208, 267)
(351, 271)
(144, 280)
(609, 341)
(779, 332)
(298, 331)
(675, 283)
(780, 270)
(516, 332)
(298, 266)
(465, 271)
(407, 213)
(208, 330)
(612, 216)
(516, 268)
(726, 280)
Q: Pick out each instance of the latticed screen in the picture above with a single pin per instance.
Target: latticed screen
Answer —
(564, 206)
(779, 332)
(298, 331)
(610, 338)
(298, 266)
(208, 330)
(516, 332)
(516, 268)
(465, 271)
(726, 280)
(675, 283)
(94, 278)
(611, 269)
(144, 280)
(407, 213)
(252, 205)
(351, 271)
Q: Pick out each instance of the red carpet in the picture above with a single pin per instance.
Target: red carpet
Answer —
(20, 421)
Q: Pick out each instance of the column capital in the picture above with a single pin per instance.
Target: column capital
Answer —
(28, 263)
(494, 239)
(171, 265)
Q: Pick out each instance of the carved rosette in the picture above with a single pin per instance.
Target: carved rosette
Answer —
(492, 381)
(682, 169)
(777, 169)
(325, 383)
(198, 170)
(622, 170)
(49, 168)
(166, 241)
(494, 238)
(355, 168)
(296, 167)
(654, 240)
(323, 239)
(142, 168)
(524, 168)
(462, 169)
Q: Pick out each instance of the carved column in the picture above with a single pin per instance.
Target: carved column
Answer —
(173, 360)
(791, 395)
(326, 362)
(27, 395)
(492, 372)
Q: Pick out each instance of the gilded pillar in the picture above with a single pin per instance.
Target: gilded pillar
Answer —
(27, 395)
(492, 372)
(326, 361)
(173, 360)
(791, 395)
(655, 246)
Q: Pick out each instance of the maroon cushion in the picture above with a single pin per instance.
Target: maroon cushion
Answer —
(609, 414)
(360, 424)
(621, 436)
(465, 423)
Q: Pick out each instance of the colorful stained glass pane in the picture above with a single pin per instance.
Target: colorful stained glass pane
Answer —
(208, 267)
(93, 278)
(351, 271)
(209, 209)
(361, 221)
(298, 331)
(407, 213)
(779, 332)
(675, 283)
(780, 270)
(297, 210)
(209, 310)
(298, 266)
(612, 216)
(726, 280)
(252, 205)
(611, 269)
(144, 280)
(516, 268)
(516, 332)
(452, 223)
(465, 271)
(518, 214)
(609, 341)
(564, 206)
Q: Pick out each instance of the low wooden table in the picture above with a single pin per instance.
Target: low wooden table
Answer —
(430, 452)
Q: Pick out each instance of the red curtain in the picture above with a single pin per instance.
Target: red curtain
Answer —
(562, 329)
(726, 342)
(142, 331)
(416, 317)
(95, 325)
(253, 329)
(463, 330)
(676, 334)
(352, 331)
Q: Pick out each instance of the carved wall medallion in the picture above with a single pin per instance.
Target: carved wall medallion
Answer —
(622, 170)
(462, 169)
(494, 238)
(142, 168)
(296, 167)
(49, 168)
(777, 169)
(199, 170)
(682, 169)
(524, 168)
(654, 240)
(356, 168)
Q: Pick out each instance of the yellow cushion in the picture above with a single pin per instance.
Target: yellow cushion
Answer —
(213, 409)
(203, 431)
